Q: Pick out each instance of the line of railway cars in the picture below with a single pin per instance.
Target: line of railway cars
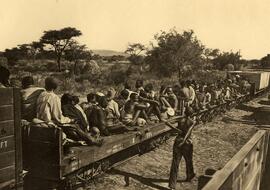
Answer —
(52, 165)
(10, 139)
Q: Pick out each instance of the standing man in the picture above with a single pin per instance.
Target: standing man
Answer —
(182, 147)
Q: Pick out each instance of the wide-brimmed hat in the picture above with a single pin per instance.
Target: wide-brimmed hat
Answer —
(99, 94)
(170, 112)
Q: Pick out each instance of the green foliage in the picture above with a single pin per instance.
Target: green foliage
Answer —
(135, 52)
(174, 51)
(229, 67)
(265, 61)
(59, 40)
(76, 52)
(225, 58)
(3, 61)
(13, 55)
(116, 75)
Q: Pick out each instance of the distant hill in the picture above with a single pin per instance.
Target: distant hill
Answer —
(103, 52)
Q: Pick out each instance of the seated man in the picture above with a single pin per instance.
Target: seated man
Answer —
(149, 96)
(220, 92)
(97, 116)
(192, 93)
(127, 87)
(69, 109)
(168, 100)
(139, 86)
(171, 98)
(208, 97)
(29, 94)
(134, 112)
(122, 98)
(112, 107)
(183, 97)
(214, 95)
(91, 101)
(49, 111)
(4, 77)
(201, 98)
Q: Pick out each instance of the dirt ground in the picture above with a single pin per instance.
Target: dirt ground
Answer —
(215, 143)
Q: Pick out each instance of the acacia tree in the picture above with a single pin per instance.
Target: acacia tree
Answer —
(174, 52)
(136, 56)
(75, 52)
(35, 49)
(59, 40)
(31, 50)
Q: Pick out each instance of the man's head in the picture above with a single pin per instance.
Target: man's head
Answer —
(102, 101)
(110, 93)
(51, 84)
(183, 83)
(91, 97)
(188, 83)
(189, 111)
(139, 83)
(149, 87)
(27, 82)
(75, 99)
(169, 90)
(202, 88)
(124, 94)
(127, 86)
(66, 99)
(134, 97)
(4, 76)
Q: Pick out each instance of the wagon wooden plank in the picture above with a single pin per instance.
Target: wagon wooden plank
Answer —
(7, 173)
(6, 128)
(7, 144)
(18, 134)
(7, 159)
(6, 112)
(6, 95)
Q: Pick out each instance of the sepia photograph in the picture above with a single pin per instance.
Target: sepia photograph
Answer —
(134, 95)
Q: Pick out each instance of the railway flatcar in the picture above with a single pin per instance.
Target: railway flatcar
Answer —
(54, 165)
(10, 140)
(260, 78)
(51, 164)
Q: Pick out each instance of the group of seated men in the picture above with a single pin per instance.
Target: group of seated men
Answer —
(138, 106)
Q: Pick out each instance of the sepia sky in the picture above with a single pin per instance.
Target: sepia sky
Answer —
(111, 24)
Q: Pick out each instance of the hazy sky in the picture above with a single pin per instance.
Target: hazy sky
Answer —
(110, 24)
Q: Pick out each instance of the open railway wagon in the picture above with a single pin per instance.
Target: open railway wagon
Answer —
(10, 139)
(259, 78)
(51, 165)
(249, 169)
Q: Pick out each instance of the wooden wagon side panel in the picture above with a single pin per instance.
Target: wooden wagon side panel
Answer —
(44, 152)
(10, 138)
(18, 137)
